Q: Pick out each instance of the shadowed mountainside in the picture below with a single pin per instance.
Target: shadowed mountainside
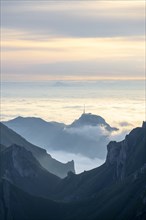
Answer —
(114, 191)
(20, 167)
(9, 137)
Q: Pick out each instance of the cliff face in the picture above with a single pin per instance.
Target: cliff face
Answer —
(15, 164)
(56, 167)
(20, 167)
(121, 155)
(117, 156)
(125, 159)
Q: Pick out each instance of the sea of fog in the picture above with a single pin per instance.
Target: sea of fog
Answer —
(63, 101)
(120, 103)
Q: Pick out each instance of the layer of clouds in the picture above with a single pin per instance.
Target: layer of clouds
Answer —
(76, 19)
(99, 133)
(26, 24)
(91, 132)
(71, 70)
(115, 101)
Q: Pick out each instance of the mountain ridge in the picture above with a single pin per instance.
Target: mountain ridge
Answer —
(21, 168)
(9, 137)
(120, 163)
(103, 193)
(72, 138)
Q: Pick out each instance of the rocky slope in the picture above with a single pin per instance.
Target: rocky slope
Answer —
(124, 159)
(20, 167)
(114, 191)
(9, 137)
(129, 154)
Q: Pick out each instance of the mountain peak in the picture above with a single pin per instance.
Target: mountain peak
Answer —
(31, 119)
(89, 119)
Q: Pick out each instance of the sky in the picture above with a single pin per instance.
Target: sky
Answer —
(57, 56)
(72, 40)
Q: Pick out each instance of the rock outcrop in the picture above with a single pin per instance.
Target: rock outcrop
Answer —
(121, 153)
(20, 167)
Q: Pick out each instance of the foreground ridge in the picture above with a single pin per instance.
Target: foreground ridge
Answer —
(114, 191)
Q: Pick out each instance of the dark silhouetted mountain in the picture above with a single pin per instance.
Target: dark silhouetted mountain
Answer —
(123, 159)
(2, 147)
(88, 119)
(128, 155)
(20, 167)
(15, 204)
(9, 137)
(114, 191)
(72, 138)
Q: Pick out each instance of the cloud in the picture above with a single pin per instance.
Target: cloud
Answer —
(100, 134)
(72, 40)
(119, 135)
(91, 132)
(70, 70)
(125, 124)
(76, 19)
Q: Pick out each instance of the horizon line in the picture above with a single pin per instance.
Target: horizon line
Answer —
(91, 79)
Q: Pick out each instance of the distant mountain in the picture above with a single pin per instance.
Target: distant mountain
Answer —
(114, 191)
(9, 137)
(88, 119)
(20, 167)
(72, 138)
(36, 130)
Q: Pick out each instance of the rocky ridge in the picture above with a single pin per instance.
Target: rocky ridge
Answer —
(8, 137)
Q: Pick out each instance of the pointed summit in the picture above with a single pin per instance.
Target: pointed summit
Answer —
(88, 119)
